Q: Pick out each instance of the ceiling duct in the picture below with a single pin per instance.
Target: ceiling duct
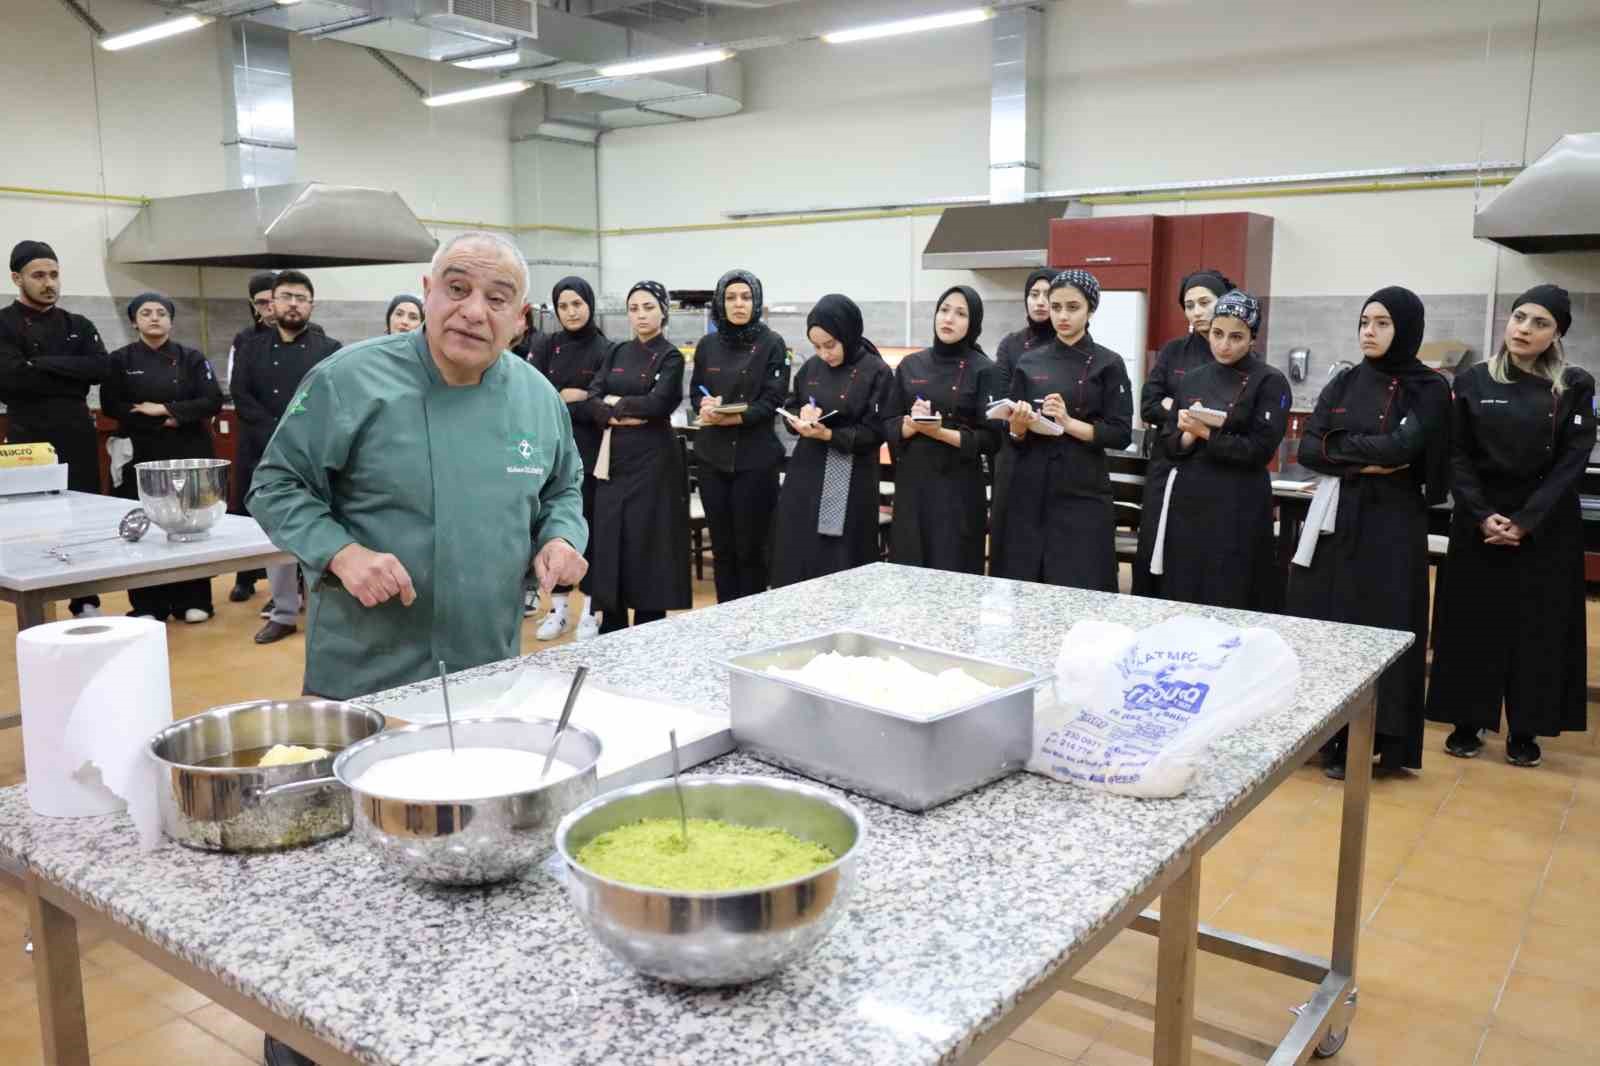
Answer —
(1553, 205)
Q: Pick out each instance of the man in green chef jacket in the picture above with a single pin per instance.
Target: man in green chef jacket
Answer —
(416, 475)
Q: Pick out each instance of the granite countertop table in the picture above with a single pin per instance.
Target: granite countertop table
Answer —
(960, 912)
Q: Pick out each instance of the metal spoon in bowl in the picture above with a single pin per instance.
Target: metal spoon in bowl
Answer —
(566, 716)
(677, 786)
(449, 722)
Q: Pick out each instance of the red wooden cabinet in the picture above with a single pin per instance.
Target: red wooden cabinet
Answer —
(1152, 253)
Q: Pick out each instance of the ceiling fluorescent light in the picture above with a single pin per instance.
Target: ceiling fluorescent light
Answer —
(170, 28)
(916, 25)
(482, 92)
(488, 62)
(654, 66)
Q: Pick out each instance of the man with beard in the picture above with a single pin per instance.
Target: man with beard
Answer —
(48, 360)
(262, 322)
(264, 382)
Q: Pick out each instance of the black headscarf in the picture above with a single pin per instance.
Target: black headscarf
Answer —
(1215, 280)
(654, 288)
(1405, 308)
(403, 298)
(1552, 298)
(1424, 393)
(148, 298)
(841, 318)
(751, 330)
(974, 322)
(577, 285)
(26, 252)
(1046, 329)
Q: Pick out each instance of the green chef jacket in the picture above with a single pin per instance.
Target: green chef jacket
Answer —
(463, 485)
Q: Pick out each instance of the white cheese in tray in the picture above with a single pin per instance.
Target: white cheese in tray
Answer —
(890, 683)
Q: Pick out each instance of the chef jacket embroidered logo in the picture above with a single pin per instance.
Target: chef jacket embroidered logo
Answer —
(524, 450)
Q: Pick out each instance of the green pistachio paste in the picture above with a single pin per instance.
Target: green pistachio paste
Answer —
(720, 856)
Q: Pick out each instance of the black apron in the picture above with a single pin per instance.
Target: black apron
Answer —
(1510, 623)
(1219, 544)
(858, 390)
(1173, 362)
(1012, 347)
(1060, 524)
(1372, 570)
(640, 534)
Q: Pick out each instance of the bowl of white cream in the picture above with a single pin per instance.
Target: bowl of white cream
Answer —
(471, 813)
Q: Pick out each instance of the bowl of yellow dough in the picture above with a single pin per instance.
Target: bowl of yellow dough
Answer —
(767, 871)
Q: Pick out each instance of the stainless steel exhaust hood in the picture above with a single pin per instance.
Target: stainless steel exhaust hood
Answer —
(994, 236)
(276, 227)
(1553, 205)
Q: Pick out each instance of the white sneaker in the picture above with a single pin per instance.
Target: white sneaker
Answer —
(530, 603)
(588, 627)
(88, 610)
(554, 624)
(194, 616)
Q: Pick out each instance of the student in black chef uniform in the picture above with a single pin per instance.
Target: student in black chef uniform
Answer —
(1038, 331)
(262, 317)
(828, 508)
(404, 314)
(265, 380)
(1509, 623)
(1059, 525)
(570, 357)
(1198, 294)
(48, 360)
(1382, 430)
(164, 395)
(639, 538)
(1214, 537)
(737, 455)
(940, 510)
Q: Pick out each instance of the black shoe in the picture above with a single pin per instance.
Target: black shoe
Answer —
(275, 1053)
(266, 611)
(241, 592)
(273, 632)
(1523, 751)
(1333, 768)
(1464, 743)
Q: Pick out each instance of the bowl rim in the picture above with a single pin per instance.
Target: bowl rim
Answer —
(392, 735)
(838, 801)
(227, 710)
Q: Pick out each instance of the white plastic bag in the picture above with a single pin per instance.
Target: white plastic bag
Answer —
(1135, 710)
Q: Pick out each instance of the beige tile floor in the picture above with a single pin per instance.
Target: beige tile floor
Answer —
(1482, 911)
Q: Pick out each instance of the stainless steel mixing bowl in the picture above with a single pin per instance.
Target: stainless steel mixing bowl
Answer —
(716, 938)
(253, 808)
(478, 840)
(185, 497)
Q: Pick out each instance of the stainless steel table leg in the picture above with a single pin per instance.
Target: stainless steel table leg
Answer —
(1175, 963)
(1347, 912)
(59, 980)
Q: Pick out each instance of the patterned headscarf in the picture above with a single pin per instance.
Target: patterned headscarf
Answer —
(747, 333)
(654, 288)
(1081, 280)
(1236, 303)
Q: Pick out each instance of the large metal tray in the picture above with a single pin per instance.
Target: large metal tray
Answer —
(908, 762)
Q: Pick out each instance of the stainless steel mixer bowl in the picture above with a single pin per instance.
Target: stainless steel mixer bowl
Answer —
(716, 938)
(473, 841)
(225, 808)
(185, 497)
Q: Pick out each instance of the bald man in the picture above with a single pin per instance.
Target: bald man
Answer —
(418, 477)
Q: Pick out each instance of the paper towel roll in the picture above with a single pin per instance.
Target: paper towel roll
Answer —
(93, 693)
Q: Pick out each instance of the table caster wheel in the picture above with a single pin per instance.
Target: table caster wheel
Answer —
(1331, 1044)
